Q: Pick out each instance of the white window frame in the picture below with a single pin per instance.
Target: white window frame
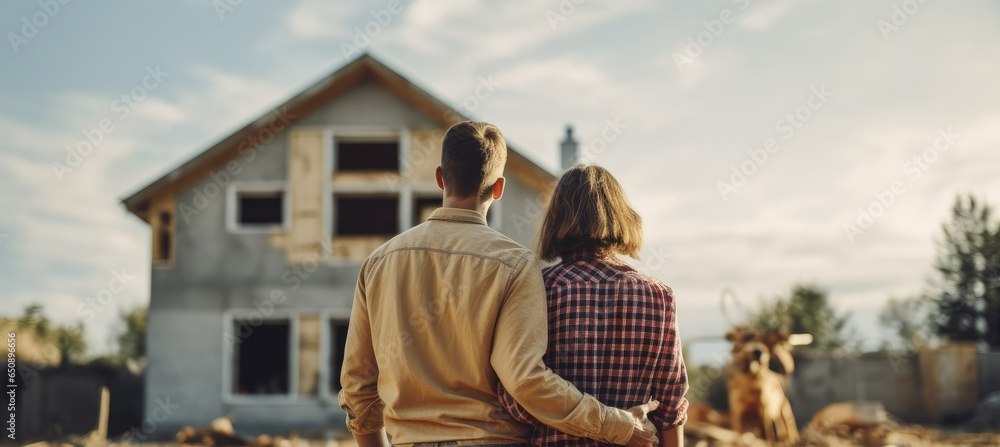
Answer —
(401, 189)
(229, 347)
(324, 394)
(233, 192)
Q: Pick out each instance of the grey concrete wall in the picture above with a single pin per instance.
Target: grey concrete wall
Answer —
(989, 373)
(521, 212)
(892, 380)
(933, 386)
(369, 104)
(215, 271)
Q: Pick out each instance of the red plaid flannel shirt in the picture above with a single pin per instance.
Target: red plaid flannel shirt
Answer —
(613, 334)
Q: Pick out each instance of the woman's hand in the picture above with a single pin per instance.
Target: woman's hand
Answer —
(643, 433)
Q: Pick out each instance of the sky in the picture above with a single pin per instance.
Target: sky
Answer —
(764, 142)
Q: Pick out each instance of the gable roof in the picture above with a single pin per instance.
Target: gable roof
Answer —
(363, 68)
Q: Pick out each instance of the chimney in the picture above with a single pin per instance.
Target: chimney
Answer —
(570, 149)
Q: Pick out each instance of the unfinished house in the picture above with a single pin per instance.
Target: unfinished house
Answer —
(257, 243)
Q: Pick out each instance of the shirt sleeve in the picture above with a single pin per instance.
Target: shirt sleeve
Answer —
(515, 409)
(520, 340)
(359, 376)
(670, 382)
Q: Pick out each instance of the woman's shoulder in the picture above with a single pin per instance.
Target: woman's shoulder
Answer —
(587, 270)
(602, 271)
(560, 272)
(653, 285)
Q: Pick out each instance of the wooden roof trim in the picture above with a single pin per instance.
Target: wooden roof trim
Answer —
(304, 103)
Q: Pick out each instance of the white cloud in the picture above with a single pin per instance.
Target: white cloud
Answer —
(429, 13)
(495, 30)
(68, 237)
(314, 19)
(764, 14)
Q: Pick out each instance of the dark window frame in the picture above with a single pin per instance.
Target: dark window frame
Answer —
(282, 205)
(244, 329)
(366, 154)
(337, 328)
(165, 248)
(355, 228)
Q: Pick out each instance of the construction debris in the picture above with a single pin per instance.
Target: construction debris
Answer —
(706, 414)
(219, 433)
(909, 435)
(711, 435)
(987, 414)
(851, 416)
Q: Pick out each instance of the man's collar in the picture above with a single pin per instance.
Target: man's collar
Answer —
(458, 215)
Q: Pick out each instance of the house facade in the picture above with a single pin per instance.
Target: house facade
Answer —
(257, 244)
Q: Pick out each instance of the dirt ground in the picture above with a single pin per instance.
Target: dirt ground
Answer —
(907, 436)
(285, 443)
(911, 436)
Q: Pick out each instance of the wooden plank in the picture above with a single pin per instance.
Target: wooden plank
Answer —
(948, 379)
(102, 422)
(367, 176)
(309, 334)
(305, 187)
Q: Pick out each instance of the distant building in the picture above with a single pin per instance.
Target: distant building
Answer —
(257, 243)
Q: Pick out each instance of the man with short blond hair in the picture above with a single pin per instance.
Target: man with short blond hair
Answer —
(445, 310)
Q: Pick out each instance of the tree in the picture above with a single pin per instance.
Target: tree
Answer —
(908, 322)
(805, 310)
(71, 343)
(35, 320)
(69, 339)
(966, 289)
(132, 340)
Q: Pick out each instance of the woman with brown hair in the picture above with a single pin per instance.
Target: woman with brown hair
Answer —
(612, 331)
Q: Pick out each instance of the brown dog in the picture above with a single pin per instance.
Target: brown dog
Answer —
(757, 401)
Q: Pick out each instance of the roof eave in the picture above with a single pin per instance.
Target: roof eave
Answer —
(308, 100)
